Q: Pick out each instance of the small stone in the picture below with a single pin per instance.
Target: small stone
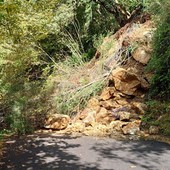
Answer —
(154, 130)
(132, 128)
(124, 116)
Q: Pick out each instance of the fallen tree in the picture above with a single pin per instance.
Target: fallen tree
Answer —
(121, 14)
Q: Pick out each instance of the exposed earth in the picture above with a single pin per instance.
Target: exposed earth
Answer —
(53, 151)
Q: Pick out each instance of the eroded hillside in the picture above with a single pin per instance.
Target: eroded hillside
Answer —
(114, 81)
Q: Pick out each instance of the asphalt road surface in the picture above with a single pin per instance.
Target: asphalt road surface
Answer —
(48, 152)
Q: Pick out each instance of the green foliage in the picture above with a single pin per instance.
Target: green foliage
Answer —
(35, 38)
(160, 85)
(130, 5)
(90, 20)
(158, 115)
(22, 70)
(73, 100)
(3, 133)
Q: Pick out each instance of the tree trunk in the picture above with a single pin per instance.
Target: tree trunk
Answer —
(121, 15)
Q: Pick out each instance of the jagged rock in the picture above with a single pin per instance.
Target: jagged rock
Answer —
(78, 126)
(109, 104)
(107, 93)
(103, 116)
(83, 114)
(90, 119)
(117, 125)
(153, 130)
(141, 55)
(120, 109)
(57, 121)
(140, 107)
(93, 104)
(125, 81)
(124, 116)
(122, 102)
(121, 113)
(144, 84)
(131, 128)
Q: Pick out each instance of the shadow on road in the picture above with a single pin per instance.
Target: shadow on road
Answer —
(47, 152)
(141, 154)
(42, 153)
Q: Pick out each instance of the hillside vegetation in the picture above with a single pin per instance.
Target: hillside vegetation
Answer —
(54, 58)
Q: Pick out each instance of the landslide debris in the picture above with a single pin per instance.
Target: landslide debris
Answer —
(120, 61)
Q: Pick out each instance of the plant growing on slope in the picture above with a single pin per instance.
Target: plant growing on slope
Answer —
(160, 61)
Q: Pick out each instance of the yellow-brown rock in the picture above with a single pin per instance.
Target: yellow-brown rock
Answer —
(103, 116)
(141, 55)
(57, 121)
(93, 104)
(140, 107)
(124, 116)
(132, 128)
(90, 119)
(107, 93)
(125, 82)
(117, 125)
(108, 104)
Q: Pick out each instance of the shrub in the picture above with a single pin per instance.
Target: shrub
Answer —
(160, 62)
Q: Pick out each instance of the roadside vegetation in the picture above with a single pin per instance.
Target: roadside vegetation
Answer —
(159, 95)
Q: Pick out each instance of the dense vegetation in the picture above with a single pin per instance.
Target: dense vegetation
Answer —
(160, 62)
(159, 95)
(38, 41)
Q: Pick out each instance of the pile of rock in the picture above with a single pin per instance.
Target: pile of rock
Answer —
(119, 106)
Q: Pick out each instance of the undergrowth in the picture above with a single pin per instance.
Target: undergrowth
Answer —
(74, 100)
(158, 114)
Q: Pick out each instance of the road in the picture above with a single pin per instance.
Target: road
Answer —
(52, 151)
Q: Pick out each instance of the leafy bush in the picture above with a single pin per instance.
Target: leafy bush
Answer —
(73, 100)
(158, 115)
(160, 62)
(22, 69)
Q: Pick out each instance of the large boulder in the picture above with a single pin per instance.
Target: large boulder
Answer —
(56, 121)
(141, 55)
(104, 116)
(125, 81)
